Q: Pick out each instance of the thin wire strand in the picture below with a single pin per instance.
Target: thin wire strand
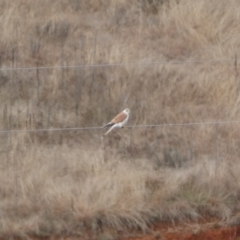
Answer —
(174, 62)
(131, 126)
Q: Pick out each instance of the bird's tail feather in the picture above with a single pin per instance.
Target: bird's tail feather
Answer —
(109, 130)
(108, 125)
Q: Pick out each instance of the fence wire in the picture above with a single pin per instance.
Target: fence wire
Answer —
(129, 126)
(173, 62)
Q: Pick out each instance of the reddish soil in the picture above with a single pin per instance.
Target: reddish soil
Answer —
(205, 230)
(201, 231)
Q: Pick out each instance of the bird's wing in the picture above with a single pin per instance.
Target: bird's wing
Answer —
(119, 118)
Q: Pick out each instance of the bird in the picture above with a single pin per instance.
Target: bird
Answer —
(118, 121)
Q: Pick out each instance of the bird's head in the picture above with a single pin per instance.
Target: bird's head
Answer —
(127, 110)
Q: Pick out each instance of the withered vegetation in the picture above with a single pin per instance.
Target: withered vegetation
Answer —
(64, 182)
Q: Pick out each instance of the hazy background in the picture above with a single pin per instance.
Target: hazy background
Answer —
(73, 64)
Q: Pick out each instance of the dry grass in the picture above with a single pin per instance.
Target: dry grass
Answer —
(70, 181)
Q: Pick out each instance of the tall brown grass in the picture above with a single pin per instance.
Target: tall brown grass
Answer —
(66, 182)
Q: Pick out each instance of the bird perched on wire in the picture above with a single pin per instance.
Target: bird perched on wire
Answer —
(119, 121)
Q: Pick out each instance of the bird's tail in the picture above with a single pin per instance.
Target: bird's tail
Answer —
(107, 126)
(109, 130)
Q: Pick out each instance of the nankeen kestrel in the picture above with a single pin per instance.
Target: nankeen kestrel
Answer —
(119, 121)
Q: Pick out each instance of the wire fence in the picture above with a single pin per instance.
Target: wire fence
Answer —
(35, 84)
(173, 62)
(129, 126)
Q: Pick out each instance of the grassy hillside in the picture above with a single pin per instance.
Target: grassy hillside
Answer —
(64, 182)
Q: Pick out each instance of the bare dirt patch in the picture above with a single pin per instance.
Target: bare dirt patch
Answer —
(208, 231)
